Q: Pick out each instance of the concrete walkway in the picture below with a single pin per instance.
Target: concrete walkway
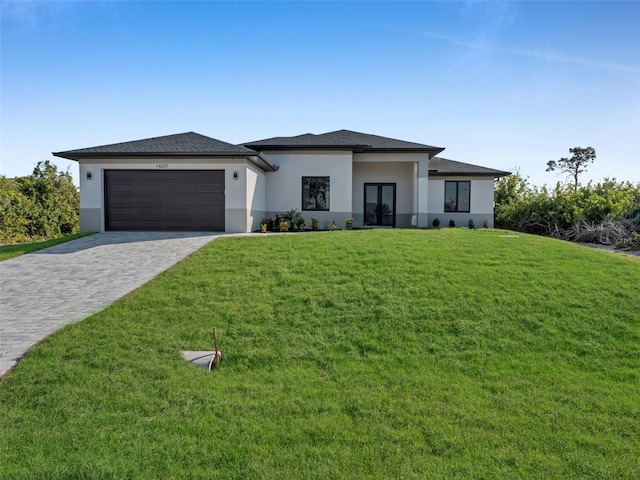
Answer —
(42, 291)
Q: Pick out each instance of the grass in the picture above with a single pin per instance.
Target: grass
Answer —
(367, 354)
(11, 251)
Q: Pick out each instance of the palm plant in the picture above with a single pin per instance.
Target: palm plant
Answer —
(292, 216)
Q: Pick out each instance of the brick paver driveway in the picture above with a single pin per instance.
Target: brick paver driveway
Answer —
(45, 290)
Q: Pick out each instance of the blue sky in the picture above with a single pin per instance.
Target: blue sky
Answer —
(501, 84)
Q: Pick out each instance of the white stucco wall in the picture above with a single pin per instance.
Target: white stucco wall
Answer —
(389, 157)
(402, 174)
(403, 169)
(256, 191)
(284, 187)
(481, 201)
(238, 217)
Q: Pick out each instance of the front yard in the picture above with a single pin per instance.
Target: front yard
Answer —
(354, 354)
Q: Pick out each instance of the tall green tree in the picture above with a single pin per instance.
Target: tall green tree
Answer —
(43, 205)
(574, 166)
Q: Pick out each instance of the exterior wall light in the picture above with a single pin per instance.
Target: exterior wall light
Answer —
(88, 175)
(235, 175)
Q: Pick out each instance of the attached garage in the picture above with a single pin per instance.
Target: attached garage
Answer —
(181, 182)
(165, 200)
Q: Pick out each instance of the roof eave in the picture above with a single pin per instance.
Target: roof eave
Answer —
(496, 174)
(259, 160)
(307, 147)
(433, 151)
(264, 163)
(354, 148)
(80, 156)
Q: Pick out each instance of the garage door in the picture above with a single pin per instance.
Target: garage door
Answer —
(164, 200)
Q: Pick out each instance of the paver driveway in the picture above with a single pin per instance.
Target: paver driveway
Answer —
(45, 290)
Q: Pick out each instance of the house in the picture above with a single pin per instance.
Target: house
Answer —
(189, 181)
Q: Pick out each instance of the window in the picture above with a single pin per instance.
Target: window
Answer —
(457, 196)
(315, 193)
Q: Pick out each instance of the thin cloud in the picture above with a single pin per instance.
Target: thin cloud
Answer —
(534, 54)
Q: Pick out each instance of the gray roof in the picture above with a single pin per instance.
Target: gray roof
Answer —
(444, 167)
(188, 144)
(342, 139)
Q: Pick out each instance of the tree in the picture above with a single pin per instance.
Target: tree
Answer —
(42, 205)
(511, 188)
(575, 165)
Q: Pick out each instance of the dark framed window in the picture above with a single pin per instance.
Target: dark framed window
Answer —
(457, 196)
(315, 193)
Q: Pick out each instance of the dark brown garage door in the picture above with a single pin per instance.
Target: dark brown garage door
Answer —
(164, 200)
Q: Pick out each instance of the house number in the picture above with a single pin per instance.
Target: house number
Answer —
(162, 165)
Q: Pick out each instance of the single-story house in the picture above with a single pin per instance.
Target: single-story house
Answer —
(189, 181)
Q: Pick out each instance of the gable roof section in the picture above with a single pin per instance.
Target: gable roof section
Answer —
(188, 144)
(441, 167)
(342, 139)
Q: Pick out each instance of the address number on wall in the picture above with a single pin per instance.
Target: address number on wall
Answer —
(162, 165)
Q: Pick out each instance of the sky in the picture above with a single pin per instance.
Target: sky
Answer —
(507, 85)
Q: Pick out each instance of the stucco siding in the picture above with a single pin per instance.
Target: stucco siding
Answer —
(238, 210)
(389, 157)
(91, 220)
(482, 195)
(284, 187)
(256, 198)
(402, 174)
(480, 207)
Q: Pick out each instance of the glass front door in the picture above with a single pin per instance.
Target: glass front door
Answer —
(380, 204)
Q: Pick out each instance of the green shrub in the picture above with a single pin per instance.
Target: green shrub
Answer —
(563, 210)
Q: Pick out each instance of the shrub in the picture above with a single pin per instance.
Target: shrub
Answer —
(472, 224)
(284, 226)
(334, 225)
(485, 224)
(349, 223)
(276, 223)
(590, 213)
(300, 223)
(436, 222)
(266, 225)
(315, 224)
(452, 223)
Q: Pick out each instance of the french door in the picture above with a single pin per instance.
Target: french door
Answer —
(380, 204)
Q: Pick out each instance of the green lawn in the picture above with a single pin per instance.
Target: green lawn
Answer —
(10, 251)
(364, 354)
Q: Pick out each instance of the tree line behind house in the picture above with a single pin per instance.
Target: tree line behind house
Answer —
(607, 212)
